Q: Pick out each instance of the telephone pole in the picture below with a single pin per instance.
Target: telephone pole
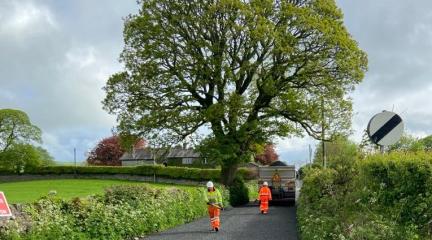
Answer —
(323, 134)
(75, 163)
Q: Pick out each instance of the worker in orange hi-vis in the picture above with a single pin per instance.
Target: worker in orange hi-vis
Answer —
(264, 197)
(213, 199)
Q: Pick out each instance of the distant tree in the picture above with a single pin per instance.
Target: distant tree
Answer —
(16, 128)
(107, 152)
(268, 156)
(366, 145)
(22, 157)
(140, 144)
(407, 143)
(338, 151)
(45, 156)
(247, 70)
(427, 143)
(341, 155)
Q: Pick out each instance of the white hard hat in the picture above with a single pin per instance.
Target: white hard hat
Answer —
(210, 184)
(265, 183)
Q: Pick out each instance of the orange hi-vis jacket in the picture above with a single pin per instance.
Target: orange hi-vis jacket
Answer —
(265, 194)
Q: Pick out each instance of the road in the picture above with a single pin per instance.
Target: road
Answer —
(239, 223)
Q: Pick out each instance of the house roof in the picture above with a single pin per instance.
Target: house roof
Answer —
(278, 163)
(138, 154)
(146, 154)
(182, 153)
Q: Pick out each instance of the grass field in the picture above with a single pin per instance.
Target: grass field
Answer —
(29, 191)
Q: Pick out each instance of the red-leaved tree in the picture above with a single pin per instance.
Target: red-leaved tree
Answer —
(268, 156)
(107, 152)
(140, 144)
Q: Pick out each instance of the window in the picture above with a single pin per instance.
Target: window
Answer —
(187, 160)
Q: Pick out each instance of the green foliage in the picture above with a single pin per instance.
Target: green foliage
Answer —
(387, 197)
(407, 143)
(24, 157)
(239, 192)
(302, 172)
(196, 174)
(339, 151)
(401, 184)
(124, 212)
(17, 134)
(341, 155)
(16, 128)
(248, 70)
(427, 143)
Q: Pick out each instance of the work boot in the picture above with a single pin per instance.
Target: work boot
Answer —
(262, 212)
(217, 229)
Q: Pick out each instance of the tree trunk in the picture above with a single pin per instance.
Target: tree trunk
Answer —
(228, 174)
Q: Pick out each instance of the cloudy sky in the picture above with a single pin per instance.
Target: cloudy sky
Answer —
(55, 57)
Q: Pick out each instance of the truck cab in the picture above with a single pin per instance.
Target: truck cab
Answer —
(281, 179)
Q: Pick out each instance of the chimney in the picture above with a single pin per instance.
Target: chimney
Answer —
(184, 146)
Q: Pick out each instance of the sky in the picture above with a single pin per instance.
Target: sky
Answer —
(55, 58)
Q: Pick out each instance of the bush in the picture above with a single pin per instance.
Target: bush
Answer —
(305, 168)
(401, 183)
(123, 212)
(387, 196)
(239, 193)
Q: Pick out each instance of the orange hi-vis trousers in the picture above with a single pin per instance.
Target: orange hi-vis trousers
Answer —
(214, 214)
(264, 206)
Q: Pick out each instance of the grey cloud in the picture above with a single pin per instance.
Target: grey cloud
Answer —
(397, 36)
(54, 61)
(55, 58)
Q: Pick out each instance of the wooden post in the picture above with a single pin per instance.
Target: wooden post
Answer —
(324, 157)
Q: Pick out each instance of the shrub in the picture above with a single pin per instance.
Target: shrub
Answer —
(239, 193)
(123, 212)
(401, 184)
(386, 196)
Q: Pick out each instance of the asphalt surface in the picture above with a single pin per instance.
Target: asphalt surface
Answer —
(240, 223)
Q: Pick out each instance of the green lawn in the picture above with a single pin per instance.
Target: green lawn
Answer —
(29, 191)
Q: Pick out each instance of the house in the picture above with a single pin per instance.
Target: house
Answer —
(137, 157)
(172, 157)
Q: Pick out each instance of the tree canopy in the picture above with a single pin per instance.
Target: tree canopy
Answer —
(107, 152)
(268, 155)
(22, 157)
(16, 128)
(246, 70)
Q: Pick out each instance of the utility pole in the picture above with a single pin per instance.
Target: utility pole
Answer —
(310, 156)
(75, 174)
(323, 134)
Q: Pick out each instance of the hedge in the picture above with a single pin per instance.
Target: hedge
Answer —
(389, 196)
(123, 212)
(402, 184)
(195, 174)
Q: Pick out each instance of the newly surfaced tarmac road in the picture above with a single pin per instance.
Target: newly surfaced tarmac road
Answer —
(238, 224)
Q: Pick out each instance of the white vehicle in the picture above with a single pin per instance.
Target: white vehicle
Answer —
(281, 179)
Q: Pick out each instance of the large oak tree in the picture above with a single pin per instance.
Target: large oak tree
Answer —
(248, 70)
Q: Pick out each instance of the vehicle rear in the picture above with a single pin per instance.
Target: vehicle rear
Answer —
(281, 179)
